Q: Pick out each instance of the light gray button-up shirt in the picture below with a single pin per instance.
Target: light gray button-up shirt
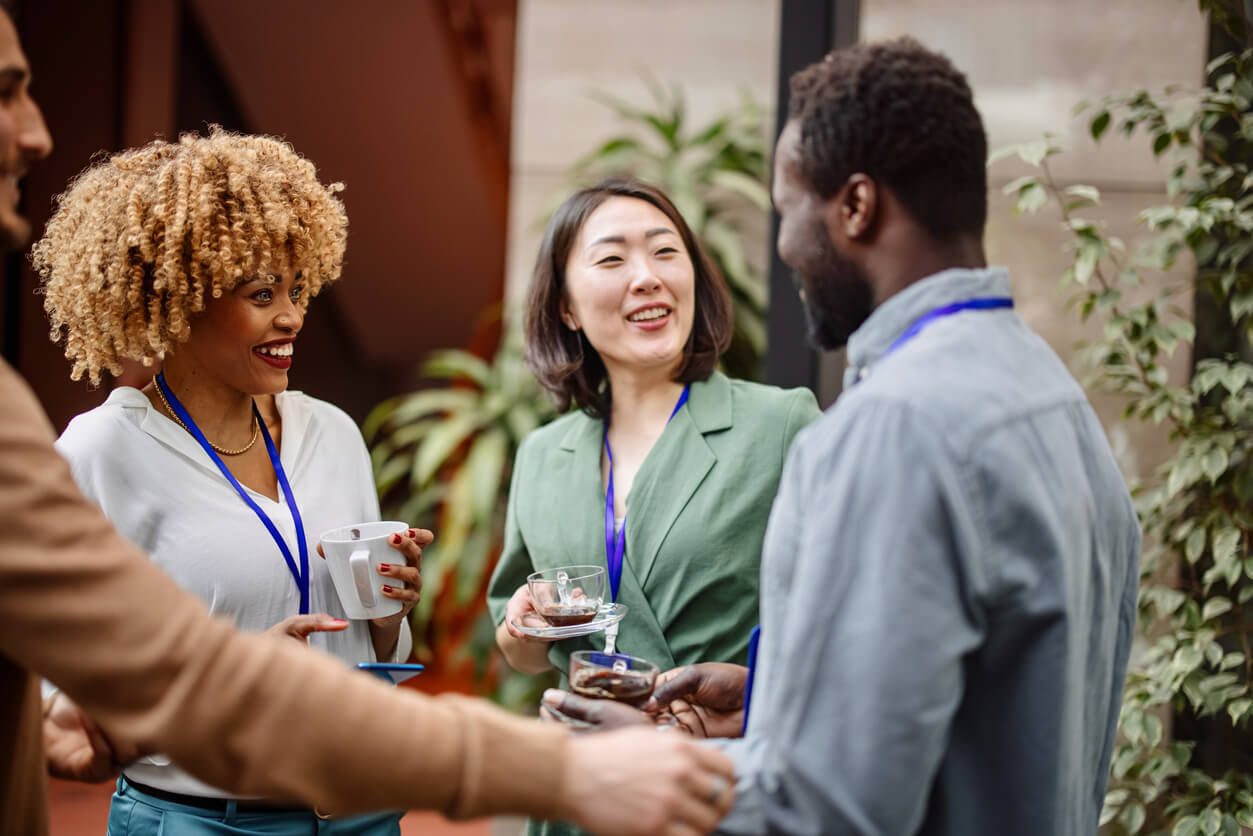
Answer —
(948, 591)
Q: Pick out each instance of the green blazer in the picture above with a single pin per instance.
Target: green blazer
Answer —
(696, 518)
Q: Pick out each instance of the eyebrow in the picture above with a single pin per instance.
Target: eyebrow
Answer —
(619, 239)
(11, 75)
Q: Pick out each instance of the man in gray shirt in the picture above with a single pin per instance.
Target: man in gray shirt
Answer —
(949, 573)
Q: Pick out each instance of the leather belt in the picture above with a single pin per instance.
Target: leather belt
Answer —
(219, 805)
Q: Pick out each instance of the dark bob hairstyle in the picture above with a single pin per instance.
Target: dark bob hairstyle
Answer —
(563, 360)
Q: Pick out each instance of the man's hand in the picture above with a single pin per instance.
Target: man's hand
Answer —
(637, 782)
(601, 715)
(74, 747)
(707, 699)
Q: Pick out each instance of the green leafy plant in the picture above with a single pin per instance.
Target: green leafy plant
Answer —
(442, 457)
(1191, 684)
(716, 174)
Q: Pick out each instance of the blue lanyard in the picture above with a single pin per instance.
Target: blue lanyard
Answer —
(988, 304)
(615, 546)
(299, 573)
(754, 638)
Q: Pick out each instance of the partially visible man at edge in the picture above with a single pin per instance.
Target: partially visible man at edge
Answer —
(81, 607)
(949, 572)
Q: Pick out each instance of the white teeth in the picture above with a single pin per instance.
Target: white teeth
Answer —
(284, 350)
(650, 313)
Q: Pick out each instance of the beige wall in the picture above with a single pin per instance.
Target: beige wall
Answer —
(1029, 61)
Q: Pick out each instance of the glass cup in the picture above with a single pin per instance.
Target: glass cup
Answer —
(612, 676)
(567, 595)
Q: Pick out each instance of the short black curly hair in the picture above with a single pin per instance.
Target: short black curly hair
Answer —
(903, 115)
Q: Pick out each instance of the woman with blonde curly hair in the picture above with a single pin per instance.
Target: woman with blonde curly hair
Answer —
(201, 256)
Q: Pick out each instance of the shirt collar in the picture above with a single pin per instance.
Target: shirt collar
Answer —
(889, 320)
(165, 429)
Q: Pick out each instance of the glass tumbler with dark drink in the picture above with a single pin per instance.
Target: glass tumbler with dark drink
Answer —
(612, 676)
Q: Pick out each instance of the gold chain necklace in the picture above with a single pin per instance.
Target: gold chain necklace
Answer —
(256, 427)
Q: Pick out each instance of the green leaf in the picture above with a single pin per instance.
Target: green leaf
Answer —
(1188, 657)
(1224, 544)
(1031, 198)
(431, 402)
(1016, 185)
(1034, 153)
(1088, 194)
(470, 564)
(377, 417)
(750, 188)
(454, 363)
(486, 463)
(1215, 607)
(439, 445)
(1152, 729)
(392, 472)
(1194, 545)
(1086, 261)
(1186, 826)
(1133, 817)
(615, 147)
(1214, 463)
(1160, 143)
(1098, 126)
(1236, 709)
(1211, 822)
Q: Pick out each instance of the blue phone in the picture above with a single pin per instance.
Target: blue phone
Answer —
(391, 672)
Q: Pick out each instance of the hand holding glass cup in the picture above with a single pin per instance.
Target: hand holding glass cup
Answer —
(607, 691)
(565, 596)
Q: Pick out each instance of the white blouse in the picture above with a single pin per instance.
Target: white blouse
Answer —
(161, 491)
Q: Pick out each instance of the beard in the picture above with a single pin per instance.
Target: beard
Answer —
(835, 293)
(14, 231)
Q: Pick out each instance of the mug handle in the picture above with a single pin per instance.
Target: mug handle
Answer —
(359, 564)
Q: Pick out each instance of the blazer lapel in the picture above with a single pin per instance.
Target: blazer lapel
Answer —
(578, 495)
(674, 469)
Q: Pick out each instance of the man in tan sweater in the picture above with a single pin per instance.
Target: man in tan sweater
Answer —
(83, 608)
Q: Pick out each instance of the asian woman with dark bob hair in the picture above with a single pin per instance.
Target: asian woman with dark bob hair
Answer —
(662, 469)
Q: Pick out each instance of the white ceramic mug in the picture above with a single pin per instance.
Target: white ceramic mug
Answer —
(353, 554)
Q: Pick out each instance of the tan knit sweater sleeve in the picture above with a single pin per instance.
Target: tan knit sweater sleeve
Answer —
(253, 714)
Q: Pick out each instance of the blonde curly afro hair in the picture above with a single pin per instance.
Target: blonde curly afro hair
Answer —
(140, 242)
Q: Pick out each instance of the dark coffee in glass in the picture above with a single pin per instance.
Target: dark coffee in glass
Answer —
(612, 676)
(568, 615)
(630, 687)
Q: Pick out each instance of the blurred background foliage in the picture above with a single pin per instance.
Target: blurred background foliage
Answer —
(1181, 762)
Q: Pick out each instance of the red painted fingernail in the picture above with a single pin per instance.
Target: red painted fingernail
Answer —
(413, 533)
(395, 539)
(385, 567)
(388, 588)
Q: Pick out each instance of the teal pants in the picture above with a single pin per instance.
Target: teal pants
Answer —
(133, 813)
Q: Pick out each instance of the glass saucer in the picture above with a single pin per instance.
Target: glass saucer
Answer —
(534, 626)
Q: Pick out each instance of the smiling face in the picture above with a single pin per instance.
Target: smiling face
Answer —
(245, 339)
(631, 287)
